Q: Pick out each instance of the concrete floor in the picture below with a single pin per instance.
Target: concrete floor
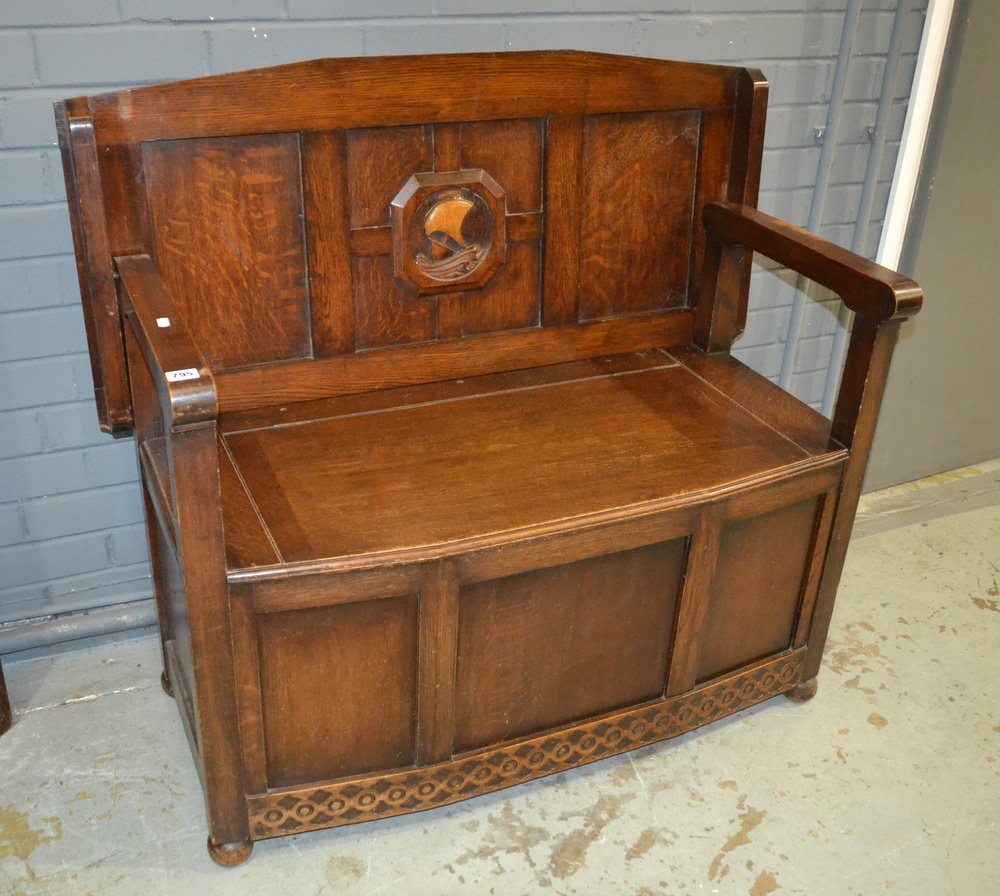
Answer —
(888, 781)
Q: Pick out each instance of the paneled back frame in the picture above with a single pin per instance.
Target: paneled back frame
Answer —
(313, 266)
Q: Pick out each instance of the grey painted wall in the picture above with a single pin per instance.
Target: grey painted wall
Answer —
(942, 410)
(70, 520)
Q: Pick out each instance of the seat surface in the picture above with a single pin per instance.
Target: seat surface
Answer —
(409, 470)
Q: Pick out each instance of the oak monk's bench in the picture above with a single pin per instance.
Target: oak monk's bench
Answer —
(450, 479)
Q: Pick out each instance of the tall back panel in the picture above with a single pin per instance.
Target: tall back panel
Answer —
(345, 219)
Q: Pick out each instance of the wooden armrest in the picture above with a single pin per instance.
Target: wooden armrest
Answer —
(185, 384)
(868, 289)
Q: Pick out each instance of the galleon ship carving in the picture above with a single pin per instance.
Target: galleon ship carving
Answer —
(449, 256)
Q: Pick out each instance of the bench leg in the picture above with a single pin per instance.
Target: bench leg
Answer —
(804, 691)
(229, 855)
(6, 716)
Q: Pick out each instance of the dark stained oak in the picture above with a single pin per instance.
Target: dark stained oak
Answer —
(328, 237)
(366, 92)
(88, 218)
(379, 161)
(639, 179)
(520, 458)
(338, 689)
(514, 151)
(563, 188)
(247, 275)
(804, 691)
(511, 300)
(6, 716)
(449, 478)
(544, 648)
(752, 578)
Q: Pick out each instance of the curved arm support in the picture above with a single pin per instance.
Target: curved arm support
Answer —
(184, 383)
(868, 289)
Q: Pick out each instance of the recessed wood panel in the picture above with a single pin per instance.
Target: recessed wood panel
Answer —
(386, 311)
(539, 649)
(510, 301)
(379, 162)
(756, 589)
(226, 218)
(338, 689)
(639, 175)
(512, 152)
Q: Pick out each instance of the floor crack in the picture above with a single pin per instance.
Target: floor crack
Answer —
(82, 698)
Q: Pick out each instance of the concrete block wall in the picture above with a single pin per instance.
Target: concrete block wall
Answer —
(70, 519)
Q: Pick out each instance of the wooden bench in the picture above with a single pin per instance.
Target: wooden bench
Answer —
(450, 479)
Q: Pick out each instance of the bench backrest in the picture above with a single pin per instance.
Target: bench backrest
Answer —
(362, 223)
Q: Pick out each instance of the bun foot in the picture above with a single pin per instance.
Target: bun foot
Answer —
(168, 688)
(229, 855)
(804, 691)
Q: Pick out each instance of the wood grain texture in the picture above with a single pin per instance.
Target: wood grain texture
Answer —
(636, 209)
(387, 312)
(712, 185)
(445, 390)
(504, 461)
(158, 568)
(870, 290)
(226, 216)
(746, 157)
(122, 180)
(366, 92)
(747, 146)
(247, 540)
(303, 592)
(248, 696)
(162, 350)
(855, 416)
(541, 649)
(815, 565)
(448, 147)
(563, 185)
(702, 556)
(755, 591)
(809, 429)
(379, 162)
(378, 240)
(513, 153)
(510, 301)
(201, 601)
(723, 270)
(328, 242)
(439, 614)
(89, 223)
(339, 689)
(414, 363)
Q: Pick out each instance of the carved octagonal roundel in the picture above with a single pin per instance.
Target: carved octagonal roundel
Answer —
(448, 231)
